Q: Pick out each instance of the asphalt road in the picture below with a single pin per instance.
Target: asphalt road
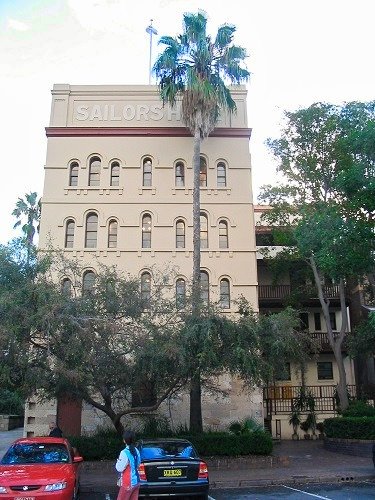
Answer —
(353, 491)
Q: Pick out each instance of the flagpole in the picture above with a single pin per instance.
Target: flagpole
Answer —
(151, 31)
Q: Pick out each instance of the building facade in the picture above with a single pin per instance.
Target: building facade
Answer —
(118, 189)
(320, 376)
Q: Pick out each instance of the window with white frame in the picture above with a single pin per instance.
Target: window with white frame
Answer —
(146, 231)
(91, 232)
(221, 175)
(94, 171)
(180, 174)
(115, 174)
(147, 173)
(112, 234)
(73, 174)
(224, 294)
(69, 233)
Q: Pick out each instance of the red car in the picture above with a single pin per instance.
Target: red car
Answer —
(40, 468)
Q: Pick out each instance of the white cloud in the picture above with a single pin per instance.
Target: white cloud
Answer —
(13, 24)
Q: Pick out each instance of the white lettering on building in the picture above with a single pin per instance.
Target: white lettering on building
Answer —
(126, 112)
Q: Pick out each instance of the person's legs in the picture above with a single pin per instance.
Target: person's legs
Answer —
(134, 493)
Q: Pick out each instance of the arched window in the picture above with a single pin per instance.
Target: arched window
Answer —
(146, 288)
(91, 233)
(146, 231)
(147, 172)
(203, 173)
(69, 233)
(73, 174)
(221, 175)
(180, 234)
(204, 231)
(66, 287)
(224, 294)
(94, 171)
(180, 175)
(223, 234)
(180, 293)
(205, 287)
(88, 282)
(115, 174)
(112, 234)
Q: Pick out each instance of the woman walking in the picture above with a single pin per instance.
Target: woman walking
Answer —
(127, 464)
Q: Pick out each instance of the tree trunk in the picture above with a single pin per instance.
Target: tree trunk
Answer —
(335, 343)
(196, 424)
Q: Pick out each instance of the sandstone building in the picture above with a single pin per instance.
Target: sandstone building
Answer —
(118, 189)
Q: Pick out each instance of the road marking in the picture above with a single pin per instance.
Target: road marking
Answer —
(107, 496)
(305, 492)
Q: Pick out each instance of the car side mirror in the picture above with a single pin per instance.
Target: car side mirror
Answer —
(77, 459)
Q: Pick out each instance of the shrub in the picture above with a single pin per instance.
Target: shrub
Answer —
(359, 408)
(350, 427)
(106, 444)
(245, 427)
(11, 403)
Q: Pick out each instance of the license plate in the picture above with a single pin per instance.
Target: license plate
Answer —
(172, 472)
(24, 498)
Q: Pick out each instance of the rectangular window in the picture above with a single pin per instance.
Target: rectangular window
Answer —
(317, 322)
(325, 371)
(332, 320)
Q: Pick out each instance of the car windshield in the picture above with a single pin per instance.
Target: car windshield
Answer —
(36, 453)
(157, 449)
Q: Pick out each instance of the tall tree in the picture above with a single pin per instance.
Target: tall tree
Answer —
(194, 68)
(325, 158)
(28, 208)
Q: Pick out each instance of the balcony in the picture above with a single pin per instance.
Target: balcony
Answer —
(278, 400)
(280, 292)
(322, 342)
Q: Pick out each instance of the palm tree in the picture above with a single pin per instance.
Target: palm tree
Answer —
(29, 208)
(193, 68)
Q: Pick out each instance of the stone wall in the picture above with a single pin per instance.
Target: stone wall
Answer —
(9, 422)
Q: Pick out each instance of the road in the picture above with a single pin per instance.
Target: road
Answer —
(352, 491)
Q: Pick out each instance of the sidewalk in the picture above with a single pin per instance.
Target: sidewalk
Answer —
(308, 462)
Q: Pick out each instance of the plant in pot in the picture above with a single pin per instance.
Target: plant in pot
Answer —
(295, 421)
(305, 426)
(320, 428)
(311, 419)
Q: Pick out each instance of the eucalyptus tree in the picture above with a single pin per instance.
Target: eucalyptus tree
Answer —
(194, 69)
(326, 200)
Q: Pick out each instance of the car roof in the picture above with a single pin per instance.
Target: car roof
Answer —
(165, 440)
(41, 440)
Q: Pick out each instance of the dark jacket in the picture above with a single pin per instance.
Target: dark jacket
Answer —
(56, 432)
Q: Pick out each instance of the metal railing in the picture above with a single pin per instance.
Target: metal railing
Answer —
(280, 399)
(284, 291)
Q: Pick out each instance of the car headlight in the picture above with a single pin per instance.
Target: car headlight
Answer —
(56, 486)
(2, 489)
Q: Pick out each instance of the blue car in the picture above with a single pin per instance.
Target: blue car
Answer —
(171, 467)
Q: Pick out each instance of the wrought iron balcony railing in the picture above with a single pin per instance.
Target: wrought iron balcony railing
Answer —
(280, 292)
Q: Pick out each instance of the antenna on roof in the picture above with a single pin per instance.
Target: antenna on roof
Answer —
(151, 31)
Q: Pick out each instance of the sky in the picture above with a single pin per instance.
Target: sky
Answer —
(300, 52)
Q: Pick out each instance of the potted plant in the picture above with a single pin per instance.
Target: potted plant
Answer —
(305, 426)
(295, 421)
(320, 428)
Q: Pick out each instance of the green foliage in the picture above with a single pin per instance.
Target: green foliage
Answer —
(195, 66)
(359, 408)
(362, 341)
(350, 427)
(245, 427)
(106, 445)
(11, 403)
